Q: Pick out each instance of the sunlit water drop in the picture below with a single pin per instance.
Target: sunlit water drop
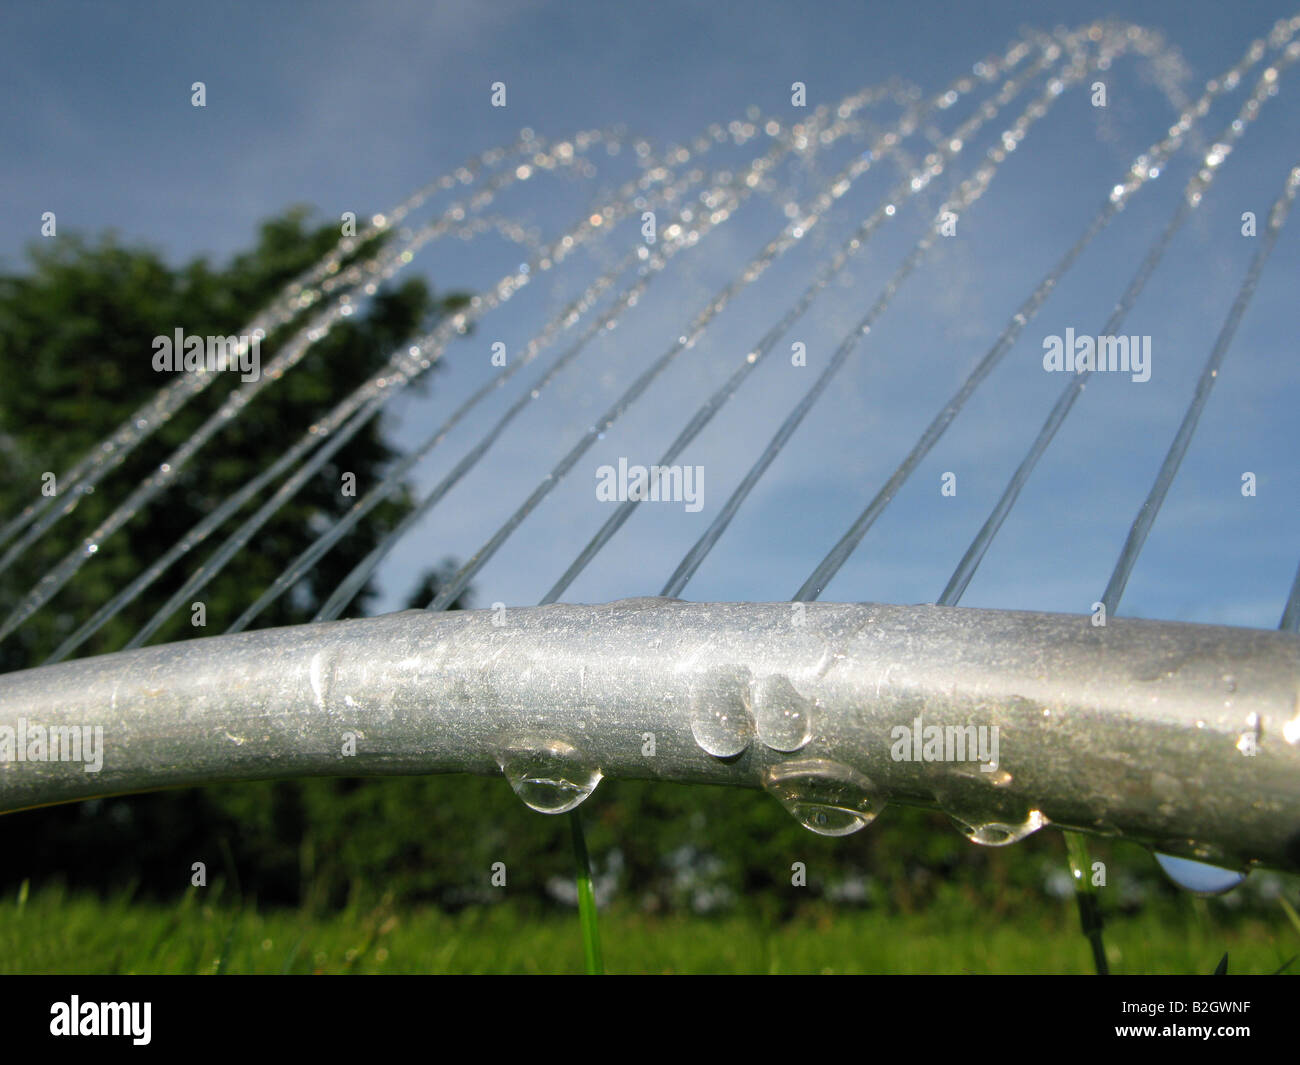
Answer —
(551, 776)
(993, 833)
(720, 720)
(783, 717)
(1199, 878)
(824, 796)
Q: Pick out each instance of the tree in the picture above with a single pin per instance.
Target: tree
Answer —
(76, 344)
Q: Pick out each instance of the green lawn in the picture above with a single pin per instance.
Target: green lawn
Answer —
(52, 932)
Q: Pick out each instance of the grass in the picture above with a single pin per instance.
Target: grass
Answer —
(591, 955)
(51, 931)
(1085, 894)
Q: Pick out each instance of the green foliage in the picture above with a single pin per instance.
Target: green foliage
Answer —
(211, 931)
(1085, 896)
(76, 337)
(587, 917)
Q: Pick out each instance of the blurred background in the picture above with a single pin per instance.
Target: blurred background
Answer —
(173, 216)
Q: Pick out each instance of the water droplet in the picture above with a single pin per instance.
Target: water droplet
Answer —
(990, 833)
(720, 720)
(722, 731)
(1199, 878)
(824, 796)
(550, 776)
(1248, 742)
(782, 715)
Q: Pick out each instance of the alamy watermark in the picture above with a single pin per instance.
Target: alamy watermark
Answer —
(1071, 354)
(657, 484)
(180, 353)
(919, 742)
(102, 1018)
(53, 743)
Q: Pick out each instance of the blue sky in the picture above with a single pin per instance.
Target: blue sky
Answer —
(352, 107)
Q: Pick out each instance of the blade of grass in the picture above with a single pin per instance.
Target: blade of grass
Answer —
(287, 966)
(586, 899)
(1291, 915)
(1085, 895)
(223, 962)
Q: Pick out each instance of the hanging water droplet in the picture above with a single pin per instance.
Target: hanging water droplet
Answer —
(1200, 878)
(824, 796)
(722, 731)
(550, 776)
(783, 716)
(991, 833)
(720, 720)
(1249, 741)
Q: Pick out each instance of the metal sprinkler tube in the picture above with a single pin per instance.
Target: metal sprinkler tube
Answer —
(1184, 737)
